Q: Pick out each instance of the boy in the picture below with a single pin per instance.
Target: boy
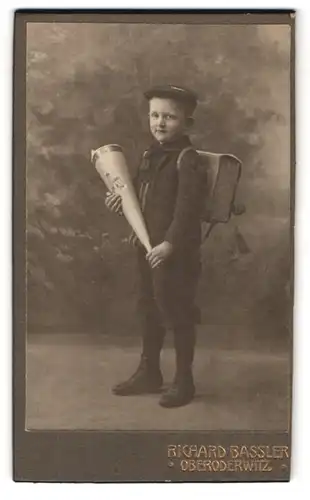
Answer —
(171, 199)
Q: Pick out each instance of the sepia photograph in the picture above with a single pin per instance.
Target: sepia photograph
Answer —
(157, 236)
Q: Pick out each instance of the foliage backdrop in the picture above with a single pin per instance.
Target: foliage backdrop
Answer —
(84, 89)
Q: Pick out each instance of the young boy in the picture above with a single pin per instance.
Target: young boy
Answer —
(171, 199)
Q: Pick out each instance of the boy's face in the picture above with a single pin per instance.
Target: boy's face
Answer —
(167, 119)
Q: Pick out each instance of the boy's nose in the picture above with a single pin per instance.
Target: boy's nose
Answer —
(161, 121)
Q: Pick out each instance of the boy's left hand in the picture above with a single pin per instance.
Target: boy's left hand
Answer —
(159, 254)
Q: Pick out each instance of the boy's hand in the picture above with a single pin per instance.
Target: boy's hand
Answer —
(159, 254)
(114, 202)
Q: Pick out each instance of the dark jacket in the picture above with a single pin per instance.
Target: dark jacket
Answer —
(171, 199)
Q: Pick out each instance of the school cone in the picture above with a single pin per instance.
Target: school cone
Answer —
(111, 165)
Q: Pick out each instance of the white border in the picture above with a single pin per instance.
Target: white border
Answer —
(299, 485)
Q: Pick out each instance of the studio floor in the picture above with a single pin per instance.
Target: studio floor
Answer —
(69, 380)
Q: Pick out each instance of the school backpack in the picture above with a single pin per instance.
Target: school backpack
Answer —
(223, 172)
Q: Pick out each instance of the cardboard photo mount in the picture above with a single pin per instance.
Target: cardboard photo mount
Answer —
(107, 455)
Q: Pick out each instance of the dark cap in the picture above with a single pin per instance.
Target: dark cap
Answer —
(181, 94)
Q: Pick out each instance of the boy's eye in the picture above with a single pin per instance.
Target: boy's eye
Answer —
(166, 116)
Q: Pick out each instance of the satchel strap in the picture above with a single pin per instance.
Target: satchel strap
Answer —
(182, 154)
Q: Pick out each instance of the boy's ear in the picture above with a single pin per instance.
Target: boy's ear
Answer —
(189, 121)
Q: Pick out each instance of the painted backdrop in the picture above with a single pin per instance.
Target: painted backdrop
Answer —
(84, 89)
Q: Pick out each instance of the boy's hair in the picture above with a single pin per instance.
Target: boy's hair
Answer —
(183, 96)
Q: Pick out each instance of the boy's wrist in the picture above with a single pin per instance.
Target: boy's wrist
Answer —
(168, 243)
(168, 247)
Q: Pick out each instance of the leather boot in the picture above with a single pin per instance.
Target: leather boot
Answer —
(179, 393)
(182, 390)
(147, 379)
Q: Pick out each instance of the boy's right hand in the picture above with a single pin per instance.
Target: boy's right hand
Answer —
(114, 202)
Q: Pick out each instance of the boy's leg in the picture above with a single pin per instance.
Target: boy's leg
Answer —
(182, 389)
(147, 378)
(175, 287)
